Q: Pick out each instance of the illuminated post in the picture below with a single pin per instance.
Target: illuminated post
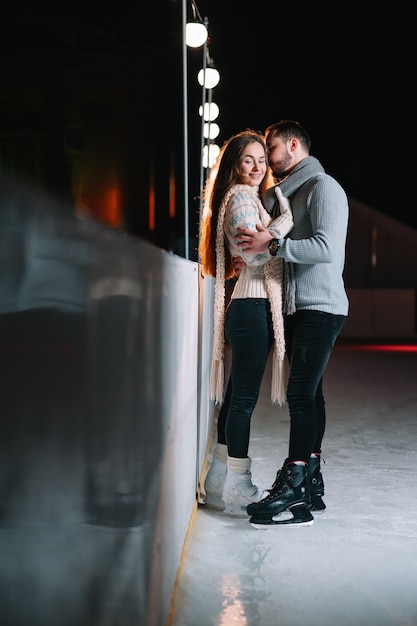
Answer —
(185, 122)
(203, 73)
(208, 77)
(194, 35)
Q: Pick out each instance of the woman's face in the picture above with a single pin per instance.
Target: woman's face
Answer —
(252, 166)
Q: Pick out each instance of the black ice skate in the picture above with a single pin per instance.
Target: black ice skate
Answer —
(288, 500)
(316, 484)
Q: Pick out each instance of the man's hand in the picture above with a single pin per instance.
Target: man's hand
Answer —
(251, 241)
(238, 264)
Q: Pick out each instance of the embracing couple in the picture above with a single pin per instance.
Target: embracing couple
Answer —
(277, 221)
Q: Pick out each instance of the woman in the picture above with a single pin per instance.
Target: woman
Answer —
(253, 322)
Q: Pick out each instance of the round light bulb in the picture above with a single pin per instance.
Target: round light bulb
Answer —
(209, 78)
(195, 34)
(210, 154)
(211, 131)
(211, 111)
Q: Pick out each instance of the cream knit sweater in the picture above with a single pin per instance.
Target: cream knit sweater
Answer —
(260, 278)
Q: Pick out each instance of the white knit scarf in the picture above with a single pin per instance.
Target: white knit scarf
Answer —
(273, 281)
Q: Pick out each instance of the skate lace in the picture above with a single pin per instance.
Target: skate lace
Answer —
(279, 485)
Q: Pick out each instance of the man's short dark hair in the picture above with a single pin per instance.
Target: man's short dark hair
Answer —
(287, 129)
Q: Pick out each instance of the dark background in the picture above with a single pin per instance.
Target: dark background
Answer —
(346, 71)
(91, 100)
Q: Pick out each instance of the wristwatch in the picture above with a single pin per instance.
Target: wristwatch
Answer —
(273, 247)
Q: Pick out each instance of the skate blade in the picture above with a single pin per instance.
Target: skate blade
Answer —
(296, 517)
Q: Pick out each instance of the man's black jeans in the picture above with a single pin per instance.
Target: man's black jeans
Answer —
(310, 337)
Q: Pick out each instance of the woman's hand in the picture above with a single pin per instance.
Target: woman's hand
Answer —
(238, 264)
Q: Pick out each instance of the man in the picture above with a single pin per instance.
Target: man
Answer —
(315, 309)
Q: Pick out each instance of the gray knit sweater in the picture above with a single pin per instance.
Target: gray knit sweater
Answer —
(315, 248)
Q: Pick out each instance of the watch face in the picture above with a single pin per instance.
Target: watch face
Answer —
(273, 246)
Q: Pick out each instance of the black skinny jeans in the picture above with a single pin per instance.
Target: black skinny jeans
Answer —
(310, 337)
(250, 334)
